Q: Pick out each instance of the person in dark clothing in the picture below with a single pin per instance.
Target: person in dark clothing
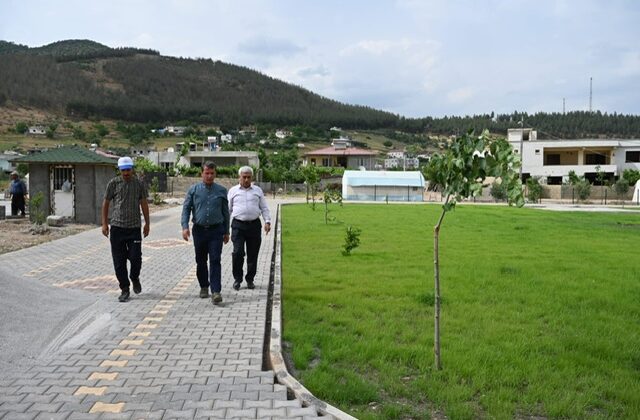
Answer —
(207, 201)
(18, 191)
(128, 195)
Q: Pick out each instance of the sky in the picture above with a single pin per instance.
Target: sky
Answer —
(415, 58)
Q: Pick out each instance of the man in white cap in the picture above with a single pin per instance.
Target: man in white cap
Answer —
(129, 195)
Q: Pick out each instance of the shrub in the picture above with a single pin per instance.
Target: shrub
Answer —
(36, 208)
(631, 175)
(498, 191)
(534, 190)
(622, 187)
(351, 240)
(583, 189)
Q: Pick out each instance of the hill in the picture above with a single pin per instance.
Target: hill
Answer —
(86, 79)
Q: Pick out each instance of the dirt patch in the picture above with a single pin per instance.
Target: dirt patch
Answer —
(20, 233)
(17, 234)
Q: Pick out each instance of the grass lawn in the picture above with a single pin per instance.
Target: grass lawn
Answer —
(540, 315)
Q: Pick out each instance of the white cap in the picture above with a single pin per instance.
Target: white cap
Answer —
(125, 163)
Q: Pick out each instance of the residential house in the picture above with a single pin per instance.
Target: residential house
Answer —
(341, 154)
(5, 161)
(37, 130)
(281, 134)
(552, 160)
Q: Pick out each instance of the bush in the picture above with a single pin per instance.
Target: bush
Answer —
(622, 187)
(583, 189)
(631, 175)
(498, 191)
(534, 190)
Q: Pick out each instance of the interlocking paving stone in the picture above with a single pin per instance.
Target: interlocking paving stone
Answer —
(164, 354)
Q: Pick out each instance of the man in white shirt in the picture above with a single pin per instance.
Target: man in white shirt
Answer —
(246, 204)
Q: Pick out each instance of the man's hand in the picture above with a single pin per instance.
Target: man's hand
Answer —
(105, 230)
(267, 228)
(225, 238)
(186, 234)
(145, 230)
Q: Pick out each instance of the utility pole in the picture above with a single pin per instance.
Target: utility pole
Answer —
(590, 94)
(563, 99)
(521, 140)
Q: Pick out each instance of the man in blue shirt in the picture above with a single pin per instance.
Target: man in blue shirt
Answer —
(207, 201)
(18, 190)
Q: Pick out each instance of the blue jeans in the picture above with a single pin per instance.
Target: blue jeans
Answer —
(126, 244)
(208, 246)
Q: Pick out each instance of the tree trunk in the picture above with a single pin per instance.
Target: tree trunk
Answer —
(436, 268)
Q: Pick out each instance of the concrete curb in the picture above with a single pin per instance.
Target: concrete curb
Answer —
(275, 341)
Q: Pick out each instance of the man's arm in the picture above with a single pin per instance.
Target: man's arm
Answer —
(186, 211)
(225, 221)
(266, 215)
(145, 212)
(105, 217)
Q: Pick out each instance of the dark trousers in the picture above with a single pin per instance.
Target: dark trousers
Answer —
(17, 204)
(126, 244)
(245, 235)
(208, 246)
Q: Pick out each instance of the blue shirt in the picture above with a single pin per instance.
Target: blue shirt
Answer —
(17, 187)
(208, 204)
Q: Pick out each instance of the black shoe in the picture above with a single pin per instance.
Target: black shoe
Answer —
(250, 285)
(236, 286)
(204, 292)
(124, 296)
(137, 287)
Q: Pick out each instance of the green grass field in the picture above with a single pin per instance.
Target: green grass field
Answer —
(540, 315)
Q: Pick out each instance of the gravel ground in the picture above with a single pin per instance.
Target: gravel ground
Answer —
(19, 233)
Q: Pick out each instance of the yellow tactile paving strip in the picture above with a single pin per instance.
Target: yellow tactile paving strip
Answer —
(135, 338)
(80, 256)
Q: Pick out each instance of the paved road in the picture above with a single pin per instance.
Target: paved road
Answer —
(71, 350)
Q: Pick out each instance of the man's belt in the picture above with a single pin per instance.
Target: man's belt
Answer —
(207, 226)
(245, 221)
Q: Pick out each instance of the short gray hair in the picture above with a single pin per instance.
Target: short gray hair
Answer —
(245, 169)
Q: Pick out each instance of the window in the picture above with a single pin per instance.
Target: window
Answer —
(633, 156)
(553, 159)
(60, 174)
(595, 159)
(326, 162)
(537, 151)
(554, 180)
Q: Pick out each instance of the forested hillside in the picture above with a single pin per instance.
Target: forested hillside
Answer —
(85, 79)
(148, 87)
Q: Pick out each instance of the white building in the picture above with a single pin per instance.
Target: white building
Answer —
(552, 160)
(382, 185)
(37, 130)
(404, 163)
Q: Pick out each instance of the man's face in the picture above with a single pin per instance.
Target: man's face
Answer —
(208, 175)
(126, 174)
(245, 179)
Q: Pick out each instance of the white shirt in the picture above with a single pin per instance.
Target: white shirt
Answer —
(248, 204)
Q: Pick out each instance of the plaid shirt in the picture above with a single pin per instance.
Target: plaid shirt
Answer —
(126, 198)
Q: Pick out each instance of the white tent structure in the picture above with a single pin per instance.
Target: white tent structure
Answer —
(382, 185)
